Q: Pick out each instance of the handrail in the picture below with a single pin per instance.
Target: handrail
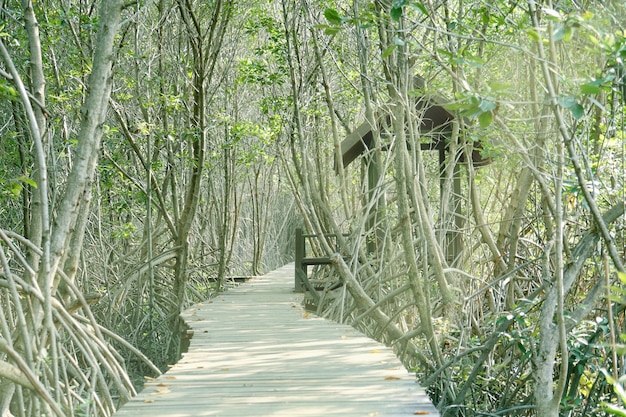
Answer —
(302, 261)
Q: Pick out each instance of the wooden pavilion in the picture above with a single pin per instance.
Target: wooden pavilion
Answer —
(435, 127)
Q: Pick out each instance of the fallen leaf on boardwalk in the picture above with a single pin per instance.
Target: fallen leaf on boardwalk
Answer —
(344, 337)
(162, 385)
(170, 377)
(421, 413)
(148, 378)
(163, 390)
(148, 401)
(225, 369)
(374, 351)
(199, 367)
(305, 315)
(373, 414)
(391, 378)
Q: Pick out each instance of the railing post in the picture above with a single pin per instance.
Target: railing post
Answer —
(301, 268)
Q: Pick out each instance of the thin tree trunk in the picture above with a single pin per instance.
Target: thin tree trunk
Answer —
(86, 155)
(374, 166)
(37, 90)
(206, 45)
(39, 333)
(343, 188)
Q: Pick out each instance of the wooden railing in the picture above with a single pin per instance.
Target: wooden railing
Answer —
(303, 261)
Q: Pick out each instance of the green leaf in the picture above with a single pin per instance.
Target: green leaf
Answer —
(559, 33)
(328, 30)
(28, 181)
(587, 15)
(398, 41)
(590, 88)
(487, 105)
(445, 53)
(614, 410)
(472, 110)
(533, 35)
(551, 14)
(420, 6)
(388, 51)
(397, 9)
(577, 111)
(566, 101)
(474, 61)
(569, 32)
(485, 119)
(7, 91)
(396, 13)
(563, 33)
(333, 17)
(16, 189)
(498, 86)
(456, 106)
(570, 103)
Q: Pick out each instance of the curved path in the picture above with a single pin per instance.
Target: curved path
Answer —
(255, 352)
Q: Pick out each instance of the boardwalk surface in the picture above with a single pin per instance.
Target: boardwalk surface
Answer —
(255, 352)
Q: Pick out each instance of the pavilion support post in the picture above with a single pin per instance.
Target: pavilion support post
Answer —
(301, 267)
(453, 240)
(459, 219)
(376, 200)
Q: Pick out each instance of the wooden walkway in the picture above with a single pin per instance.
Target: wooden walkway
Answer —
(255, 352)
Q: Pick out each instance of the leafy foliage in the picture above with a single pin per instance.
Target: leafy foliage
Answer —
(224, 130)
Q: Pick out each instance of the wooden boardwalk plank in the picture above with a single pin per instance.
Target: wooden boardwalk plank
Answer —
(255, 352)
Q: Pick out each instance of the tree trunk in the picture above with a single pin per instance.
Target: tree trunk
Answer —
(38, 85)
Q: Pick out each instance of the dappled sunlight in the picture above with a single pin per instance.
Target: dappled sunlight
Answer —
(264, 355)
